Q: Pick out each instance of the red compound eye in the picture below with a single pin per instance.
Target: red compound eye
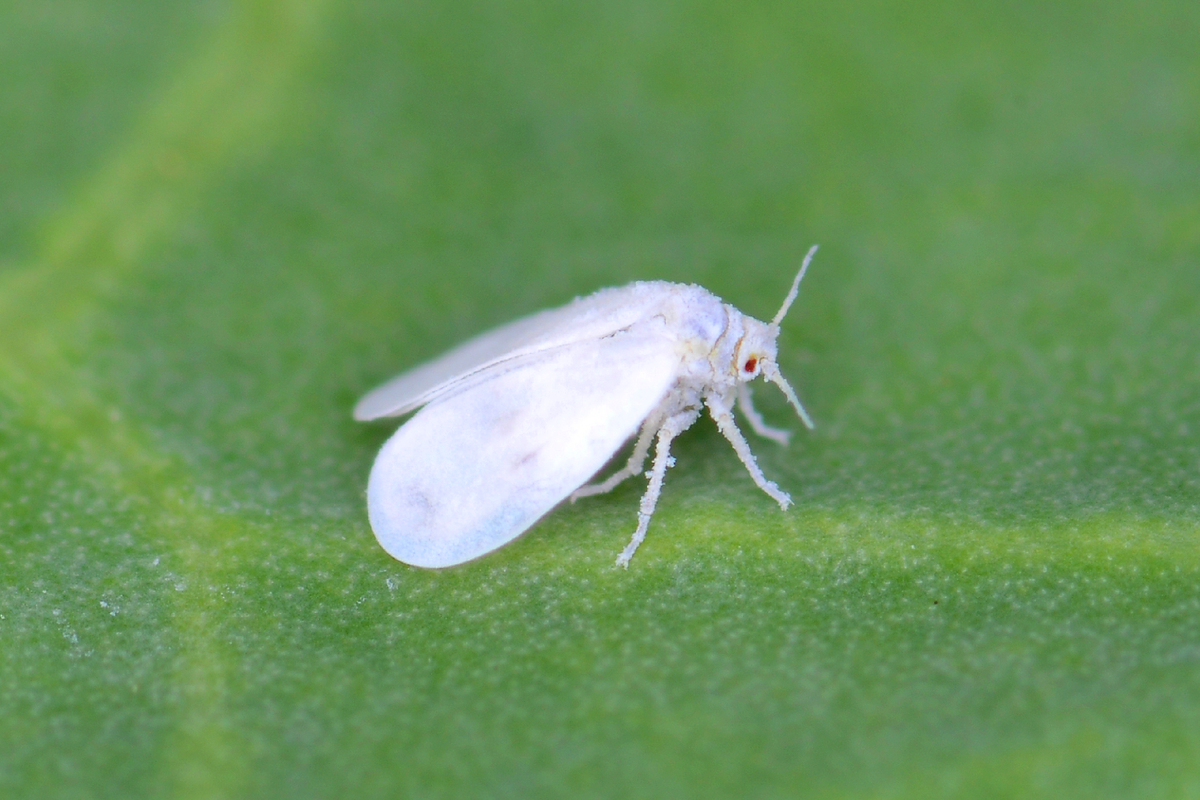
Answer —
(750, 364)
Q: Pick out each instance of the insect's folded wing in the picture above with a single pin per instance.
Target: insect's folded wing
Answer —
(476, 468)
(592, 317)
(406, 391)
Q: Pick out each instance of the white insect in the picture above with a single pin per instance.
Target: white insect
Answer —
(517, 419)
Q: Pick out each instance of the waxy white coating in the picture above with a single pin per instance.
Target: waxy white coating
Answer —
(516, 420)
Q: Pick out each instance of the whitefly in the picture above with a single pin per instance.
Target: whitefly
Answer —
(518, 419)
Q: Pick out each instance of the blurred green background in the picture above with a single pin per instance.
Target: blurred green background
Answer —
(223, 221)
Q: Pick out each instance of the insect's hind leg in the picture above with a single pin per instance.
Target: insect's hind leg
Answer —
(632, 467)
(670, 428)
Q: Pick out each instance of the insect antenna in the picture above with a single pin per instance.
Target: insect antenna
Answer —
(772, 373)
(787, 303)
(770, 370)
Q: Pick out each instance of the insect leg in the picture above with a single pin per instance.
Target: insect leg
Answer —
(632, 467)
(756, 420)
(718, 409)
(672, 427)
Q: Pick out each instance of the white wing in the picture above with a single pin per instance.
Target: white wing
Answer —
(590, 317)
(475, 469)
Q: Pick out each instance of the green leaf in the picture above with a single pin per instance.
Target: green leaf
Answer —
(224, 222)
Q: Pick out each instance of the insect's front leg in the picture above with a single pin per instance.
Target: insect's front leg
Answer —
(756, 419)
(670, 428)
(719, 410)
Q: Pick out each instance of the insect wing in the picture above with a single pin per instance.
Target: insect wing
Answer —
(585, 319)
(405, 392)
(473, 470)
